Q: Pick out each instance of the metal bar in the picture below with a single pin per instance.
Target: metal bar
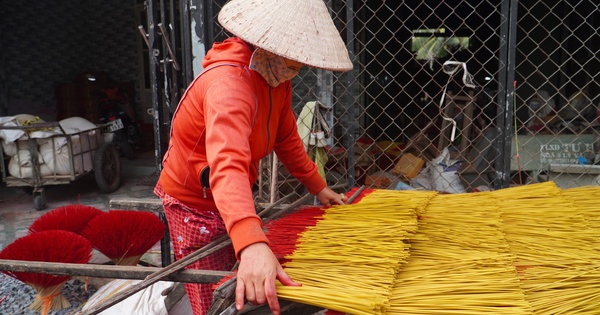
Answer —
(35, 164)
(144, 35)
(506, 90)
(155, 82)
(510, 90)
(273, 191)
(167, 40)
(110, 271)
(350, 102)
(271, 206)
(165, 242)
(210, 24)
(176, 78)
(501, 96)
(186, 43)
(166, 69)
(356, 194)
(34, 126)
(261, 189)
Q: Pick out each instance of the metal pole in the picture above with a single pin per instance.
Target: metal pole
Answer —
(186, 43)
(155, 81)
(176, 79)
(274, 192)
(350, 99)
(506, 75)
(509, 128)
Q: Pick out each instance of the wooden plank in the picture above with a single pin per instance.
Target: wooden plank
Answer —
(111, 271)
(174, 296)
(287, 308)
(143, 204)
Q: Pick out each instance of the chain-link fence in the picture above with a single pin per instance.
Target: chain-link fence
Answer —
(430, 102)
(558, 92)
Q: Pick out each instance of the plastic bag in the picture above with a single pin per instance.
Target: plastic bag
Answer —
(443, 172)
(148, 301)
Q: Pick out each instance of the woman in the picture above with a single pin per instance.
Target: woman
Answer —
(234, 114)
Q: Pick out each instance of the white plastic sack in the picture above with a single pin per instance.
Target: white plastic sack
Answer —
(57, 160)
(73, 125)
(11, 135)
(148, 301)
(20, 165)
(56, 152)
(70, 125)
(444, 175)
(11, 148)
(423, 180)
(81, 144)
(57, 157)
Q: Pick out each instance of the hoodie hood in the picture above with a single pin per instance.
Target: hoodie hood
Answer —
(232, 50)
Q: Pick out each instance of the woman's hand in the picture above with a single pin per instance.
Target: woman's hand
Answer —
(328, 197)
(256, 277)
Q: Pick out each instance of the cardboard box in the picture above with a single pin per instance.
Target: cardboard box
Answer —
(384, 180)
(409, 166)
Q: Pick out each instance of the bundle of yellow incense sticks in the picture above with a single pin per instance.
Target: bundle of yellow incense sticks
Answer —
(525, 250)
(549, 231)
(459, 262)
(349, 259)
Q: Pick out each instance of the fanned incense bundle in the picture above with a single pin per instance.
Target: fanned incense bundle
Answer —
(47, 246)
(124, 235)
(72, 218)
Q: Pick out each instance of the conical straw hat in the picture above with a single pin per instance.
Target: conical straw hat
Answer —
(299, 30)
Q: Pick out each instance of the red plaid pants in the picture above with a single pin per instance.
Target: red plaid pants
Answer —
(191, 229)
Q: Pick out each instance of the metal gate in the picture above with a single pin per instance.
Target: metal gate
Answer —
(431, 102)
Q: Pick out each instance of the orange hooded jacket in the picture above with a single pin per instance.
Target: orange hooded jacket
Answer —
(226, 122)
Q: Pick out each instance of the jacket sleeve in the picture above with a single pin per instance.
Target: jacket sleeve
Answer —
(290, 150)
(229, 110)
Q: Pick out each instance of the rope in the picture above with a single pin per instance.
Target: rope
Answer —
(451, 68)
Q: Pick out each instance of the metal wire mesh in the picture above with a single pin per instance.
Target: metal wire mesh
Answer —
(402, 120)
(558, 92)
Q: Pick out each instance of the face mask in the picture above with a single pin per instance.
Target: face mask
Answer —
(271, 67)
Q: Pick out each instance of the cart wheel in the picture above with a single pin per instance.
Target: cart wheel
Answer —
(39, 200)
(107, 168)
